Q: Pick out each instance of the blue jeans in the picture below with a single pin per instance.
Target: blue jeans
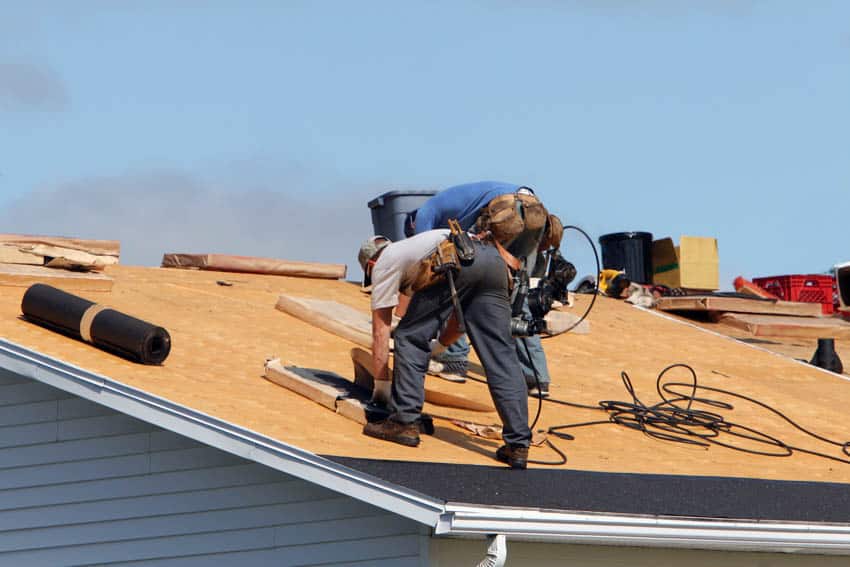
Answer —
(459, 351)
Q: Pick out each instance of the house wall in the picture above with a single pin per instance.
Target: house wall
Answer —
(82, 484)
(446, 552)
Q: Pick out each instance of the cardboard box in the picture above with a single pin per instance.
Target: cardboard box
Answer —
(693, 264)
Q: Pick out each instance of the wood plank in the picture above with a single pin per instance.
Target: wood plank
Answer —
(254, 265)
(53, 256)
(9, 254)
(69, 256)
(96, 247)
(20, 275)
(558, 322)
(330, 390)
(362, 360)
(738, 305)
(321, 393)
(331, 316)
(784, 326)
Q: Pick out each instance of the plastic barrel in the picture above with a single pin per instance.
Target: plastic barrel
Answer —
(630, 252)
(390, 209)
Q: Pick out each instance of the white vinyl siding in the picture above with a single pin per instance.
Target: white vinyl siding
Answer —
(83, 484)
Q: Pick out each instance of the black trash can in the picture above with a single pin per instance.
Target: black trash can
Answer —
(390, 209)
(630, 252)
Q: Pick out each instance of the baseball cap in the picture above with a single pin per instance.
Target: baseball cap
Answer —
(368, 250)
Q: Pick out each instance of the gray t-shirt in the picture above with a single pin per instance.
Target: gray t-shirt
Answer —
(399, 263)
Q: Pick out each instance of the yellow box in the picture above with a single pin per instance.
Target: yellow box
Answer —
(694, 264)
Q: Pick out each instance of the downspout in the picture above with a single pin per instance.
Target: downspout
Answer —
(497, 551)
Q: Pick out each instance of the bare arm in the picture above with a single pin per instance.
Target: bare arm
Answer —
(403, 302)
(381, 321)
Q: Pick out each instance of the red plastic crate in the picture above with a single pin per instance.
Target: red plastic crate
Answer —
(813, 288)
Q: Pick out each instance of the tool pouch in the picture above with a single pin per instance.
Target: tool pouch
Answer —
(553, 234)
(508, 216)
(432, 268)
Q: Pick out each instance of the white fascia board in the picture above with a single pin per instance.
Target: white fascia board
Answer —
(218, 433)
(644, 531)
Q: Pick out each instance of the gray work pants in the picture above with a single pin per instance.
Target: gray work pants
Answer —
(483, 292)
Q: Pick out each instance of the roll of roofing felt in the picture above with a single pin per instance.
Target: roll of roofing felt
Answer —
(101, 326)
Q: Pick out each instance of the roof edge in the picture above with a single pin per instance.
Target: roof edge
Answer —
(219, 433)
(664, 315)
(447, 519)
(645, 531)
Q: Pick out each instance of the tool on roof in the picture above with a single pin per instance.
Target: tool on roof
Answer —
(825, 356)
(613, 282)
(97, 324)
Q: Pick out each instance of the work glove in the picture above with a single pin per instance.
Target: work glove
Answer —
(381, 391)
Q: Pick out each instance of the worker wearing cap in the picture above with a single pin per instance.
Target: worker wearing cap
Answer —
(465, 203)
(482, 291)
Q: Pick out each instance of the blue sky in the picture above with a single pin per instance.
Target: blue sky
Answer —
(264, 127)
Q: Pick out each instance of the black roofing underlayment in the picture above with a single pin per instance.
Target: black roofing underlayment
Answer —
(617, 493)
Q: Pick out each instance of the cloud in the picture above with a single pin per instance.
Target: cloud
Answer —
(153, 213)
(27, 86)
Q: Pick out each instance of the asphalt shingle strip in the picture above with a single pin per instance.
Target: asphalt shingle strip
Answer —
(618, 493)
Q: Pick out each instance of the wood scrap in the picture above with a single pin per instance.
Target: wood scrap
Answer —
(57, 257)
(11, 255)
(479, 429)
(330, 390)
(21, 275)
(94, 247)
(558, 322)
(331, 316)
(59, 252)
(738, 305)
(253, 265)
(785, 326)
(362, 360)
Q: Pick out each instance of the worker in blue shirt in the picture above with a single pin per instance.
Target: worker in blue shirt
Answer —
(465, 203)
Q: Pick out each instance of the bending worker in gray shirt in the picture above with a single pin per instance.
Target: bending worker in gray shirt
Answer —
(482, 289)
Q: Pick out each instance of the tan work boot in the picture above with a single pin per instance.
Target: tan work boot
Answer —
(388, 430)
(515, 455)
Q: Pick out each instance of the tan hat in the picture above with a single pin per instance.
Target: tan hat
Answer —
(368, 250)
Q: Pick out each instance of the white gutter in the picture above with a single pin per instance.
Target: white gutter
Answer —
(218, 433)
(446, 519)
(644, 531)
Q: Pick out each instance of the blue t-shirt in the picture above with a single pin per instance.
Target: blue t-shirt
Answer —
(461, 202)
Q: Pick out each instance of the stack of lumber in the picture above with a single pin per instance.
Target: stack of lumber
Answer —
(58, 251)
(67, 263)
(761, 318)
(253, 265)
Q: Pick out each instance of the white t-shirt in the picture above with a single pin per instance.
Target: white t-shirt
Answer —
(398, 263)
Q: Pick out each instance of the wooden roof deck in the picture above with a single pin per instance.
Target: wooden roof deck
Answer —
(222, 335)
